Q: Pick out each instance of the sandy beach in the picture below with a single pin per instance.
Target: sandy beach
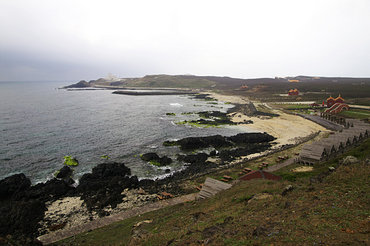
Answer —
(229, 98)
(287, 128)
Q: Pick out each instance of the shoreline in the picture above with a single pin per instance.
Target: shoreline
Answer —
(287, 128)
(259, 124)
(74, 204)
(153, 93)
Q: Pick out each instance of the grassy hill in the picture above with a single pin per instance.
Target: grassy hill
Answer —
(324, 208)
(354, 90)
(168, 81)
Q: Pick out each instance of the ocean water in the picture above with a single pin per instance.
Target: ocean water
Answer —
(39, 124)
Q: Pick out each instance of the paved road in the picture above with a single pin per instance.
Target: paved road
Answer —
(59, 235)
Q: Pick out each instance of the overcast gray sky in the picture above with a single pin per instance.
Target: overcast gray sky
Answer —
(77, 39)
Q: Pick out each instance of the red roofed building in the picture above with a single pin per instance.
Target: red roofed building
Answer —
(244, 87)
(294, 92)
(331, 101)
(339, 99)
(260, 174)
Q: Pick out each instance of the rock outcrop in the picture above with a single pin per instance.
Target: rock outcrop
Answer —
(154, 159)
(105, 184)
(80, 84)
(218, 141)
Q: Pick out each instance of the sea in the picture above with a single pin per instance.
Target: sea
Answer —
(41, 123)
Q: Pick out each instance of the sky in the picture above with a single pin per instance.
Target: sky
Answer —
(78, 39)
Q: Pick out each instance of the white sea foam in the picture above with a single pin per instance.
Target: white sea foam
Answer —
(162, 176)
(176, 104)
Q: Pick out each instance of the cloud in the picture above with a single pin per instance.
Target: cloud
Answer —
(82, 39)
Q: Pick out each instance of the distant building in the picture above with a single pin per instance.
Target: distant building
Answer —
(244, 87)
(293, 92)
(339, 99)
(293, 80)
(330, 101)
(111, 77)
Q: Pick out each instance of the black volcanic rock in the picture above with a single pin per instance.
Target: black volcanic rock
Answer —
(81, 84)
(218, 141)
(104, 185)
(150, 157)
(13, 184)
(64, 172)
(50, 191)
(163, 161)
(20, 218)
(196, 158)
(22, 206)
(249, 138)
(192, 143)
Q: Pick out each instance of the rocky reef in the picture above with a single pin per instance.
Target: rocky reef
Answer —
(218, 141)
(22, 206)
(153, 93)
(212, 119)
(155, 160)
(110, 185)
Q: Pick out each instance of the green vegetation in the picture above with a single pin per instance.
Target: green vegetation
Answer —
(356, 113)
(105, 157)
(296, 106)
(209, 99)
(168, 81)
(171, 114)
(359, 101)
(208, 119)
(169, 143)
(155, 163)
(56, 173)
(334, 211)
(199, 124)
(70, 161)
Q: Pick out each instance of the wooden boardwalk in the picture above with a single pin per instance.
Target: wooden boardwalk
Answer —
(92, 225)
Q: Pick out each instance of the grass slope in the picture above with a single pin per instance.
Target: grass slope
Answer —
(332, 212)
(356, 113)
(168, 81)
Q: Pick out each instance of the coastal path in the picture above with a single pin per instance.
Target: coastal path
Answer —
(323, 122)
(280, 165)
(92, 225)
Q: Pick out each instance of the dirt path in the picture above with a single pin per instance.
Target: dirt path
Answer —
(323, 122)
(62, 234)
(280, 165)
